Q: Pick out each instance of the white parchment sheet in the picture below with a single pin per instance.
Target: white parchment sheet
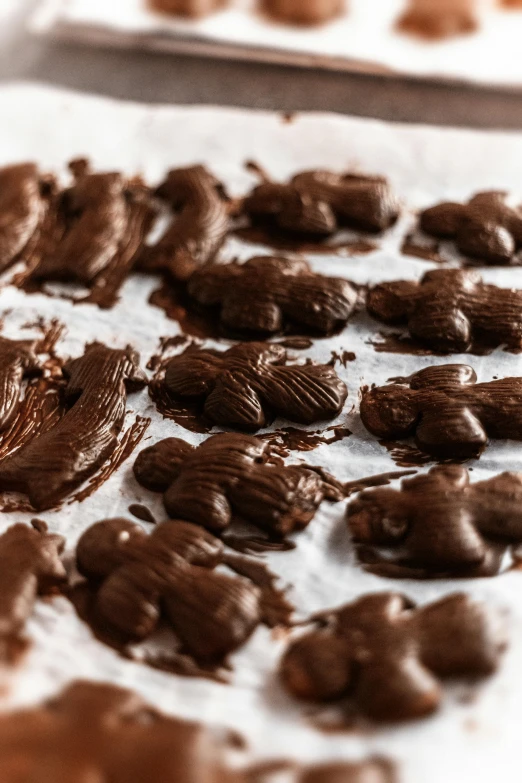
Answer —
(466, 741)
(363, 38)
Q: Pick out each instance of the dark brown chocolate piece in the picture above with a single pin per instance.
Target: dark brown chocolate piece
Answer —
(318, 203)
(486, 228)
(451, 310)
(386, 655)
(98, 732)
(103, 219)
(230, 476)
(198, 230)
(55, 462)
(268, 293)
(251, 384)
(17, 360)
(191, 8)
(21, 209)
(168, 573)
(448, 412)
(438, 525)
(303, 12)
(434, 19)
(30, 565)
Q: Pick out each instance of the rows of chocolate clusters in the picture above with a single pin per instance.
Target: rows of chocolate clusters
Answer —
(426, 18)
(61, 423)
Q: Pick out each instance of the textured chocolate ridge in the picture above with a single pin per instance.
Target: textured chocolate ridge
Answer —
(386, 656)
(267, 294)
(56, 461)
(230, 476)
(451, 310)
(17, 361)
(448, 412)
(21, 210)
(250, 384)
(438, 525)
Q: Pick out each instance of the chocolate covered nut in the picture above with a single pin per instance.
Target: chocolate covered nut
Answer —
(391, 654)
(446, 410)
(451, 310)
(198, 229)
(30, 565)
(21, 210)
(228, 475)
(250, 384)
(486, 228)
(266, 294)
(17, 361)
(438, 524)
(318, 203)
(307, 12)
(52, 464)
(442, 18)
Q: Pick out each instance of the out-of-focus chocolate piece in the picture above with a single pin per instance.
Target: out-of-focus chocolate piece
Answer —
(250, 384)
(318, 203)
(99, 732)
(451, 310)
(387, 656)
(17, 360)
(303, 12)
(190, 8)
(448, 412)
(199, 227)
(30, 565)
(438, 524)
(21, 209)
(55, 462)
(486, 228)
(434, 19)
(230, 476)
(102, 224)
(168, 573)
(268, 293)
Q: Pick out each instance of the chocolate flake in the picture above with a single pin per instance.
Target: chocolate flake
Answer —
(387, 656)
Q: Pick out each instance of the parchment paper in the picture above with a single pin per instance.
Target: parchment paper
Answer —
(363, 39)
(467, 740)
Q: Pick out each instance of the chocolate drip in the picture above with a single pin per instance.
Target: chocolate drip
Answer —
(448, 412)
(21, 210)
(227, 476)
(438, 525)
(267, 294)
(250, 384)
(451, 311)
(30, 565)
(55, 462)
(198, 230)
(387, 656)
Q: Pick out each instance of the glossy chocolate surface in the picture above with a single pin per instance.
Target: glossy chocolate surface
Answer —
(17, 361)
(21, 210)
(303, 12)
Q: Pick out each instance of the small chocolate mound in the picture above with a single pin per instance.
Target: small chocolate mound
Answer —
(168, 573)
(249, 385)
(199, 228)
(230, 476)
(435, 19)
(30, 565)
(451, 310)
(55, 462)
(386, 656)
(267, 294)
(319, 203)
(99, 732)
(486, 228)
(191, 8)
(17, 361)
(21, 210)
(303, 12)
(438, 525)
(448, 412)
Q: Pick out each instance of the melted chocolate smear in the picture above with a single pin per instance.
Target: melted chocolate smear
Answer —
(398, 342)
(126, 445)
(275, 606)
(173, 299)
(142, 512)
(155, 363)
(380, 480)
(296, 343)
(342, 358)
(83, 598)
(412, 247)
(280, 240)
(289, 439)
(253, 545)
(257, 170)
(405, 455)
(184, 412)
